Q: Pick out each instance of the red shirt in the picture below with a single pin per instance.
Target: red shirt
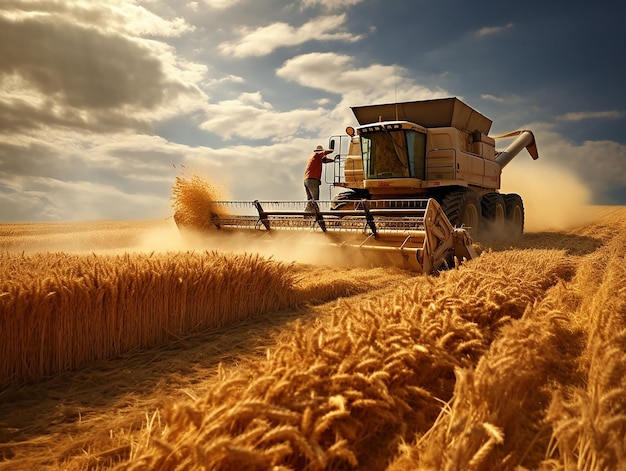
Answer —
(314, 166)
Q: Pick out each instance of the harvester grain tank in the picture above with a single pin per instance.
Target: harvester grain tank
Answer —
(416, 178)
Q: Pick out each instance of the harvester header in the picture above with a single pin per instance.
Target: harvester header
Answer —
(412, 234)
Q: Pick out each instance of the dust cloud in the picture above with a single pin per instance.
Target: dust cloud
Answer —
(554, 199)
(288, 246)
(121, 237)
(193, 198)
(162, 238)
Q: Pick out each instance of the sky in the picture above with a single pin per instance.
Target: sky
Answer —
(104, 104)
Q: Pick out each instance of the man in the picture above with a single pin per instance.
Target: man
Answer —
(313, 173)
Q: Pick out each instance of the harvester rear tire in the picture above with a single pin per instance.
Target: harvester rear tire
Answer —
(494, 214)
(514, 215)
(462, 207)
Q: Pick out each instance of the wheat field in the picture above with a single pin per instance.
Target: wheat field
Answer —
(122, 349)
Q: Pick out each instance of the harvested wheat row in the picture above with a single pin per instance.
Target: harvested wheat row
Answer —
(499, 415)
(58, 311)
(493, 420)
(344, 391)
(589, 422)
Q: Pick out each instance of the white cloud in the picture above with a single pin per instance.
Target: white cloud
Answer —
(73, 177)
(220, 4)
(120, 16)
(264, 172)
(66, 176)
(264, 40)
(579, 116)
(338, 73)
(226, 79)
(137, 21)
(330, 4)
(489, 30)
(249, 116)
(89, 200)
(507, 100)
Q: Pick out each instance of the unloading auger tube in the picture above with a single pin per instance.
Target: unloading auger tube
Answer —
(415, 232)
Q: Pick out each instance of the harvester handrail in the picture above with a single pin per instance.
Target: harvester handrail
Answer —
(376, 202)
(404, 215)
(389, 212)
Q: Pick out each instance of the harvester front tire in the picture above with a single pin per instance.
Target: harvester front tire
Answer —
(462, 207)
(514, 215)
(494, 214)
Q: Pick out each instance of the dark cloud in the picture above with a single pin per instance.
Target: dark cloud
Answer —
(46, 182)
(130, 170)
(20, 115)
(89, 79)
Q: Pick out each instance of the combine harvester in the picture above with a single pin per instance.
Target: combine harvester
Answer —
(419, 180)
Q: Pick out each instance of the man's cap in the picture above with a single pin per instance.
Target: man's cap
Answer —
(319, 149)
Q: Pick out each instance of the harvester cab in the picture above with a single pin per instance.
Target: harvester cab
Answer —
(418, 180)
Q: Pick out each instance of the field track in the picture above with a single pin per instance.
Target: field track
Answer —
(518, 358)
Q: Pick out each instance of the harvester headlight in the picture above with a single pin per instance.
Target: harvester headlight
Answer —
(350, 131)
